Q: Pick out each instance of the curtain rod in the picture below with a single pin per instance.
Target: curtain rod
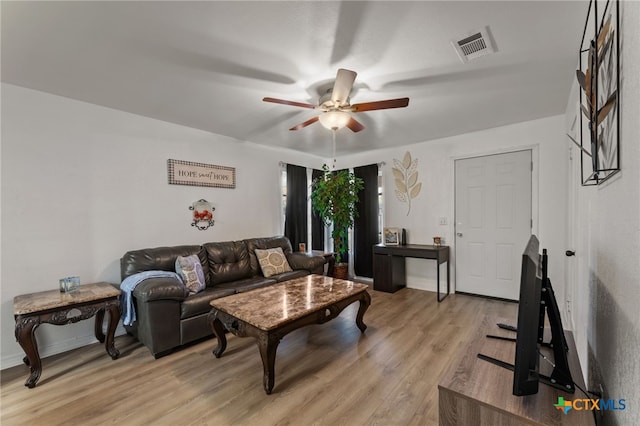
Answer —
(283, 164)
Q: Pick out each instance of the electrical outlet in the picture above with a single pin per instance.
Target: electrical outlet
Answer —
(443, 220)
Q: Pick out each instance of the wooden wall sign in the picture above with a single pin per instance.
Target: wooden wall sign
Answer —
(199, 174)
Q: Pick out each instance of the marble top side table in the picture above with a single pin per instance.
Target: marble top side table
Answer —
(54, 307)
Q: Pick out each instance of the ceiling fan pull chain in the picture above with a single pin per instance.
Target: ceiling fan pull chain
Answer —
(333, 132)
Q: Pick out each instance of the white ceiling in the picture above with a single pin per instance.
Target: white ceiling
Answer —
(208, 65)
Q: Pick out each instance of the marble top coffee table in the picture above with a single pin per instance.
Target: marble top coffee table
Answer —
(270, 313)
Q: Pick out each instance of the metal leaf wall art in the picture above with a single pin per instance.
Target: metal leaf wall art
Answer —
(405, 174)
(599, 100)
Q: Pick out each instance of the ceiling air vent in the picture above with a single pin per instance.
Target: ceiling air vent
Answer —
(474, 45)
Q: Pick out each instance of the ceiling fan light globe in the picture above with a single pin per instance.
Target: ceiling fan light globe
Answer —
(334, 120)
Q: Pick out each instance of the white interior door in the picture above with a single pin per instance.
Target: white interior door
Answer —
(493, 222)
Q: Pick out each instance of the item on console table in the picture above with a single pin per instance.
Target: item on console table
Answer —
(69, 284)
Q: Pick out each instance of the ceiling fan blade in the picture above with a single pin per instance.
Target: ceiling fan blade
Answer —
(342, 86)
(390, 103)
(305, 124)
(292, 103)
(354, 125)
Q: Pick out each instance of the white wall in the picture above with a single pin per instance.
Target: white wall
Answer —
(83, 184)
(607, 227)
(436, 172)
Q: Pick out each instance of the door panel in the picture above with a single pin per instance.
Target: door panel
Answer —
(493, 222)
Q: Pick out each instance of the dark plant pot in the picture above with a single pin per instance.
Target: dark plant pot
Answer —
(341, 270)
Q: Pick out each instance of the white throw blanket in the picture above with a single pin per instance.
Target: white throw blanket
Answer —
(130, 283)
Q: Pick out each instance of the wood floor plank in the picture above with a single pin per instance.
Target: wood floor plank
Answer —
(325, 374)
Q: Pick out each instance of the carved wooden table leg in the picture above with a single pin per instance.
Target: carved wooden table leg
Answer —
(268, 345)
(218, 330)
(98, 325)
(114, 318)
(25, 335)
(365, 301)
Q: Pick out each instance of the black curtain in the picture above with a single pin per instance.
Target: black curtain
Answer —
(365, 229)
(317, 226)
(295, 222)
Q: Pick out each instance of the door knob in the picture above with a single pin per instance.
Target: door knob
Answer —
(459, 234)
(570, 253)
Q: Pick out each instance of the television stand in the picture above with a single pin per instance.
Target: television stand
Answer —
(513, 339)
(547, 380)
(473, 391)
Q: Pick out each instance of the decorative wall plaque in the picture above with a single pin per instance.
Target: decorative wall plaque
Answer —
(199, 174)
(202, 214)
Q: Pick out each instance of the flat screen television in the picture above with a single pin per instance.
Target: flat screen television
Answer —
(536, 299)
(526, 371)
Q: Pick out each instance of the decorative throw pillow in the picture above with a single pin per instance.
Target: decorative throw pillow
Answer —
(190, 270)
(272, 261)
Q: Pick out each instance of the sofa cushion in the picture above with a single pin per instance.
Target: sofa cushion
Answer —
(263, 244)
(228, 261)
(197, 304)
(190, 270)
(153, 289)
(272, 261)
(312, 263)
(291, 275)
(247, 284)
(160, 259)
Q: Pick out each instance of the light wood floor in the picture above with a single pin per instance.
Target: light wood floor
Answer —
(325, 374)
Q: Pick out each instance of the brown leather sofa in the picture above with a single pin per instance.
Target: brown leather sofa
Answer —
(168, 317)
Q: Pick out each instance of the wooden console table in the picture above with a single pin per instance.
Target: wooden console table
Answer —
(389, 271)
(474, 391)
(54, 307)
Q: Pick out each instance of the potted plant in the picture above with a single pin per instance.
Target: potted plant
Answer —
(334, 196)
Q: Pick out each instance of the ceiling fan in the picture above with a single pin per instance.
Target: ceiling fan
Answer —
(335, 105)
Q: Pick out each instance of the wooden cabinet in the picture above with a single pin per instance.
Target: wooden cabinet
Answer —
(476, 392)
(389, 273)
